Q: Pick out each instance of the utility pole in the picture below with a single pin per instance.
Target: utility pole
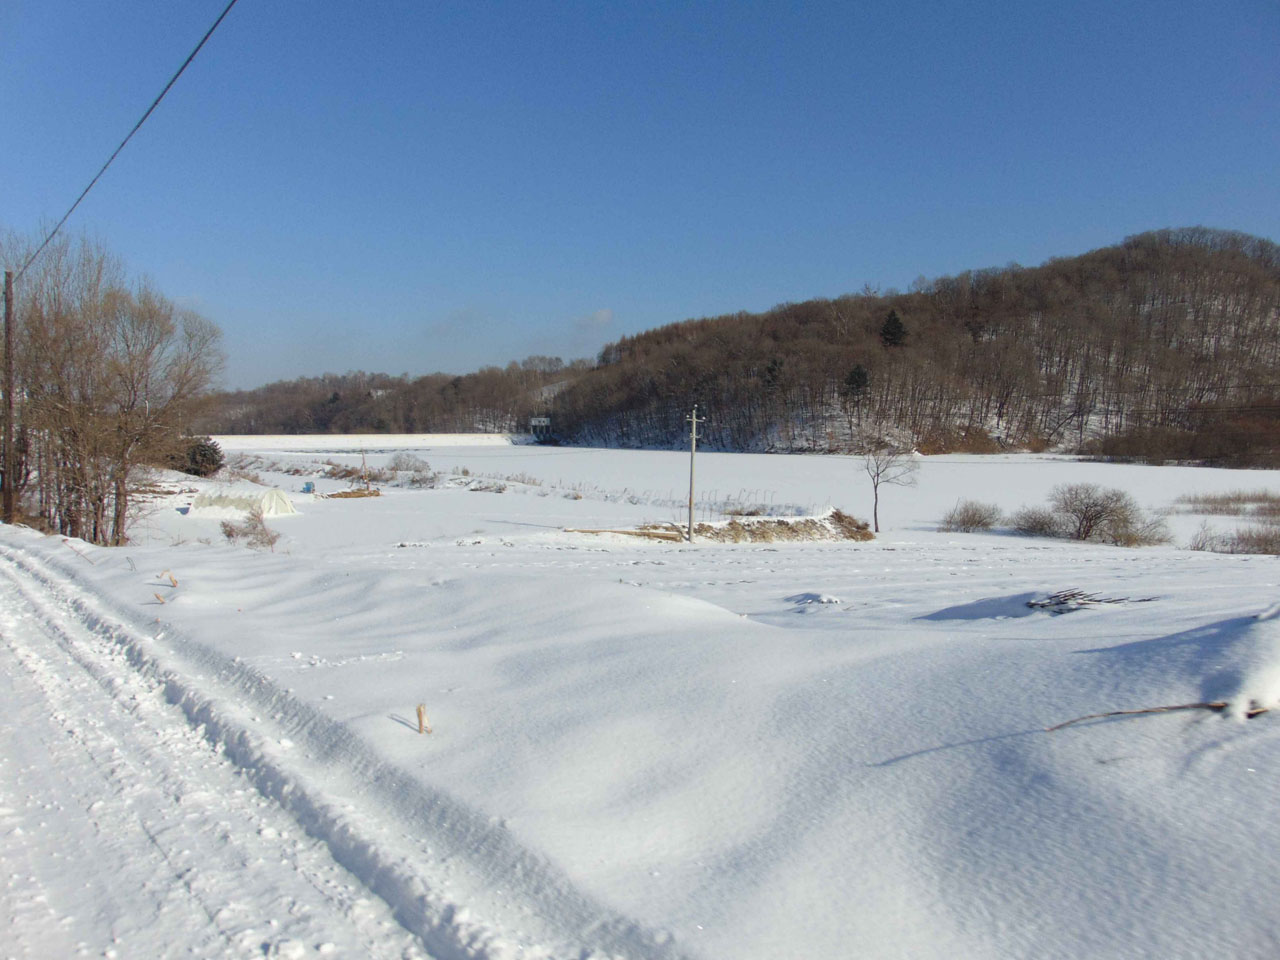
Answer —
(693, 420)
(7, 482)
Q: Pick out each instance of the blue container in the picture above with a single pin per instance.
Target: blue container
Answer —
(308, 487)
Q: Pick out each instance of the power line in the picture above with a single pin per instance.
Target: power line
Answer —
(154, 103)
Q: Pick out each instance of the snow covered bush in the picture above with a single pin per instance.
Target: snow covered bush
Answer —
(968, 516)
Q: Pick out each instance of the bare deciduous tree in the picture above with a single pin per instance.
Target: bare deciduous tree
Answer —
(892, 465)
(108, 375)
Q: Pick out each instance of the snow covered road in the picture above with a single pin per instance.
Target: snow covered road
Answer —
(142, 817)
(128, 834)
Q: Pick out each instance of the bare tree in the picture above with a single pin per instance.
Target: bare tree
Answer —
(891, 465)
(108, 377)
(160, 360)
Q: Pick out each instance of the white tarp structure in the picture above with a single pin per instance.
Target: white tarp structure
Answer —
(272, 502)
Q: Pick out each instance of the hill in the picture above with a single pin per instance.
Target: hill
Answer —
(1166, 345)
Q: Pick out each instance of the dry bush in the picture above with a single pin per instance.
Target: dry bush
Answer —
(1037, 522)
(1143, 532)
(409, 463)
(946, 440)
(1263, 541)
(253, 530)
(1204, 539)
(1089, 511)
(1263, 504)
(1106, 514)
(1258, 540)
(418, 470)
(340, 471)
(968, 516)
(526, 479)
(1244, 438)
(851, 527)
(241, 473)
(343, 471)
(1086, 511)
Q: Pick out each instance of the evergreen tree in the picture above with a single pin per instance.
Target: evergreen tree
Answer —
(893, 333)
(856, 382)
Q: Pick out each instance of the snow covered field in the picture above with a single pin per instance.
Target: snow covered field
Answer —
(639, 749)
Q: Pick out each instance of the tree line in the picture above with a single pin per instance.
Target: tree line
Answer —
(490, 400)
(108, 373)
(1165, 345)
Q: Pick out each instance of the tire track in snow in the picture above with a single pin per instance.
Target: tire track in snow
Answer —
(461, 884)
(127, 835)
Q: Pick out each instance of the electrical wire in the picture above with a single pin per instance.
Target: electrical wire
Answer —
(154, 103)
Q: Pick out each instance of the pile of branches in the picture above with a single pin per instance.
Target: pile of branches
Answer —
(1065, 601)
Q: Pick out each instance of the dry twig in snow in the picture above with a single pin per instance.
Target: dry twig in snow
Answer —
(1217, 706)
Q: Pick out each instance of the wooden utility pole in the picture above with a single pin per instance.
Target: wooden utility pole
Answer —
(7, 482)
(693, 420)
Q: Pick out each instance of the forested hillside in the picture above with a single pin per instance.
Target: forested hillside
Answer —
(1166, 345)
(491, 400)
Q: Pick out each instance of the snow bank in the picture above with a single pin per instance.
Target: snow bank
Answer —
(1260, 679)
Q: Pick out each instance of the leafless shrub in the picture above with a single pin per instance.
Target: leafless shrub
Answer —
(1037, 522)
(408, 463)
(1106, 514)
(968, 516)
(527, 479)
(240, 473)
(253, 530)
(241, 467)
(1204, 539)
(1258, 540)
(346, 471)
(1260, 504)
(1089, 510)
(1143, 532)
(1251, 540)
(1086, 511)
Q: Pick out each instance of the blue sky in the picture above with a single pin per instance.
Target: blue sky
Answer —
(408, 186)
